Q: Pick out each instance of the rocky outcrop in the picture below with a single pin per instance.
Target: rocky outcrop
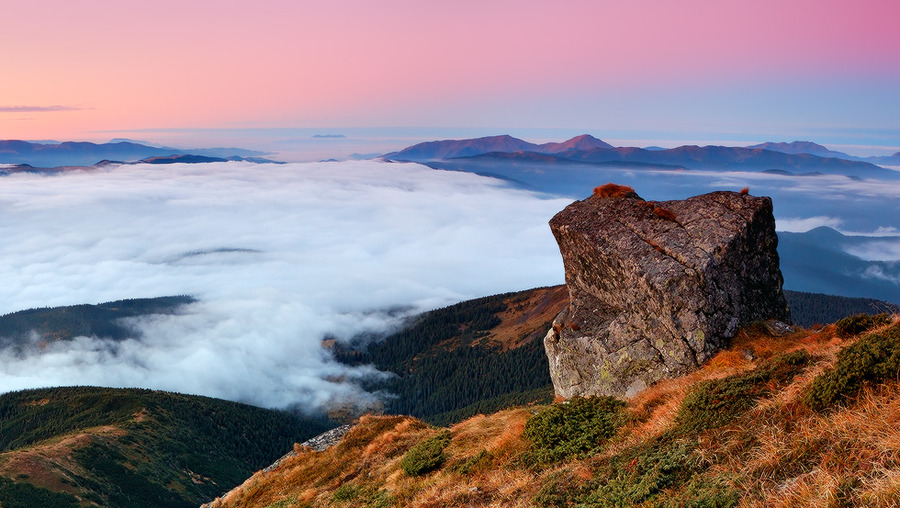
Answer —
(655, 288)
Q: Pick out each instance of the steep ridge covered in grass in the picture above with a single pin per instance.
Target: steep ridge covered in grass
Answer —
(108, 447)
(811, 418)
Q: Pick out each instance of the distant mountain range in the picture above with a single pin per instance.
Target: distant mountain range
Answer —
(798, 147)
(70, 153)
(803, 157)
(448, 149)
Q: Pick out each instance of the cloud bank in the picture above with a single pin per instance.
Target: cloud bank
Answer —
(278, 256)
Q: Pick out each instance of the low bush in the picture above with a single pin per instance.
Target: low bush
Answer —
(873, 359)
(717, 402)
(426, 456)
(859, 323)
(643, 473)
(574, 428)
(346, 492)
(479, 462)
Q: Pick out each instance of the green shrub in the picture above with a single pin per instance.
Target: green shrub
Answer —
(575, 428)
(703, 492)
(717, 402)
(426, 456)
(476, 463)
(859, 323)
(346, 492)
(873, 359)
(644, 472)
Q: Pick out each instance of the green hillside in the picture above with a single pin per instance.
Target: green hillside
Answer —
(101, 320)
(483, 355)
(86, 446)
(475, 356)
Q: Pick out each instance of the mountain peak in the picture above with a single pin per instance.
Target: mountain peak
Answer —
(799, 147)
(582, 142)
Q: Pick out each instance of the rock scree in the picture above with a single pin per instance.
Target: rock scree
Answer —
(655, 288)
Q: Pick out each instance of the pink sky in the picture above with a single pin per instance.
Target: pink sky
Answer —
(73, 68)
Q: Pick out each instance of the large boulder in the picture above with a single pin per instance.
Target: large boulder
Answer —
(655, 288)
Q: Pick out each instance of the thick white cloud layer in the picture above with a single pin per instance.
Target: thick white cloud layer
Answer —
(278, 256)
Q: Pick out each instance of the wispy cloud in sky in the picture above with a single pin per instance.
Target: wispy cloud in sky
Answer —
(36, 109)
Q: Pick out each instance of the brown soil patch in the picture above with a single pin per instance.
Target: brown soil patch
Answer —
(525, 317)
(45, 465)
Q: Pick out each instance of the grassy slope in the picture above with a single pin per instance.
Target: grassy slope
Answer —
(771, 449)
(133, 448)
(483, 355)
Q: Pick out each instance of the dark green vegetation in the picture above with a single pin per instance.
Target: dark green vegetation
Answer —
(714, 403)
(668, 470)
(871, 360)
(24, 495)
(65, 323)
(661, 473)
(426, 456)
(808, 309)
(139, 448)
(576, 428)
(858, 323)
(448, 370)
(818, 261)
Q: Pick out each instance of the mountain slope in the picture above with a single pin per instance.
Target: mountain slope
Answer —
(724, 158)
(796, 147)
(587, 149)
(583, 142)
(486, 354)
(136, 448)
(745, 430)
(817, 261)
(474, 356)
(461, 148)
(37, 326)
(72, 153)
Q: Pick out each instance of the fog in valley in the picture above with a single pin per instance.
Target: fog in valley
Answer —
(281, 256)
(278, 256)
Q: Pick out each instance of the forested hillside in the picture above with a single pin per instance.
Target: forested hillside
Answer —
(472, 357)
(808, 309)
(101, 320)
(486, 354)
(129, 448)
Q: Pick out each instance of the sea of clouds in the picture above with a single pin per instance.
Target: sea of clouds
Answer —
(278, 256)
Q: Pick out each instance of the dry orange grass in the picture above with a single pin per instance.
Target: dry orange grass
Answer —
(780, 453)
(522, 317)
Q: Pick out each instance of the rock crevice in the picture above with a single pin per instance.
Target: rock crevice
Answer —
(655, 288)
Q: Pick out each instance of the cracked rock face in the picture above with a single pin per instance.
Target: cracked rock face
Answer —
(655, 288)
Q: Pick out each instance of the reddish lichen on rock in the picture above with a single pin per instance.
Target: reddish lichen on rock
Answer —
(611, 190)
